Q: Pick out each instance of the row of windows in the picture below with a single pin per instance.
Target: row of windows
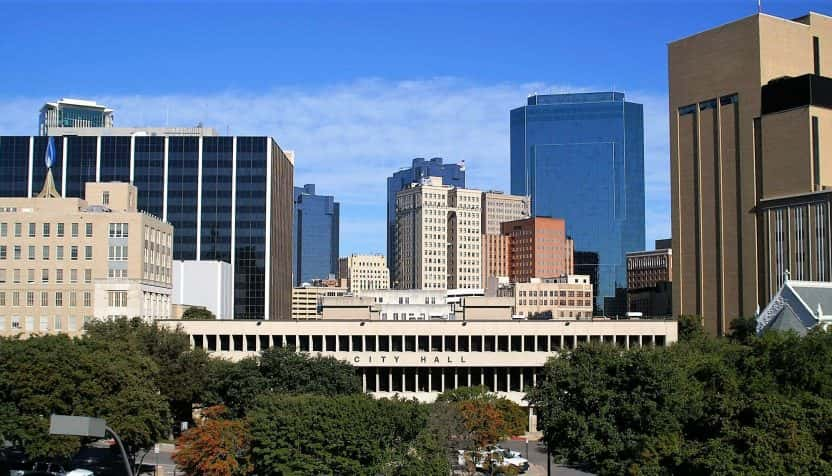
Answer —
(45, 274)
(45, 300)
(44, 323)
(417, 343)
(45, 230)
(440, 379)
(17, 252)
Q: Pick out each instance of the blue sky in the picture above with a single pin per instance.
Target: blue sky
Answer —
(357, 89)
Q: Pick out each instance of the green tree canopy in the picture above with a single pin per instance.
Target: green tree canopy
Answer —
(195, 313)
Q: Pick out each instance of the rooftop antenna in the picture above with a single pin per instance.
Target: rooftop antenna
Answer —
(759, 6)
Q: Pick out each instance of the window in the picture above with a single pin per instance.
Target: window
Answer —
(87, 299)
(2, 251)
(31, 251)
(30, 298)
(16, 275)
(59, 299)
(46, 230)
(73, 253)
(88, 276)
(118, 230)
(17, 251)
(4, 230)
(45, 252)
(59, 252)
(32, 229)
(44, 299)
(117, 253)
(17, 230)
(73, 275)
(74, 230)
(59, 230)
(44, 276)
(59, 276)
(2, 298)
(117, 298)
(58, 323)
(88, 230)
(72, 324)
(73, 299)
(15, 322)
(88, 253)
(30, 276)
(15, 298)
(105, 198)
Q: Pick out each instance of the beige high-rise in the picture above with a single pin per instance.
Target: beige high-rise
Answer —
(64, 261)
(738, 144)
(438, 236)
(498, 207)
(364, 272)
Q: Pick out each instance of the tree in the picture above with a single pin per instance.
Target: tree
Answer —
(743, 329)
(344, 434)
(216, 447)
(691, 327)
(195, 313)
(183, 372)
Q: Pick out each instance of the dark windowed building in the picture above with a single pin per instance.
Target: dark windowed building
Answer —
(315, 235)
(228, 198)
(581, 158)
(452, 174)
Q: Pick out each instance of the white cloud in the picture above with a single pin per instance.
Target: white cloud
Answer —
(349, 137)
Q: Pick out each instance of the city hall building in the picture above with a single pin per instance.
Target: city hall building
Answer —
(420, 359)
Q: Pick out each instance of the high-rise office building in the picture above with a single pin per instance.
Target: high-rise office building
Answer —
(451, 174)
(750, 165)
(498, 208)
(315, 235)
(438, 236)
(65, 261)
(581, 158)
(363, 272)
(229, 198)
(75, 113)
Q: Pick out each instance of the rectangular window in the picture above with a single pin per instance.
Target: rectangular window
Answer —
(73, 253)
(2, 251)
(88, 230)
(59, 230)
(105, 198)
(32, 230)
(118, 230)
(72, 324)
(17, 251)
(59, 252)
(74, 228)
(30, 276)
(59, 276)
(44, 299)
(15, 298)
(15, 322)
(343, 343)
(73, 275)
(45, 252)
(4, 230)
(17, 229)
(58, 324)
(117, 298)
(30, 298)
(87, 299)
(816, 151)
(816, 53)
(59, 299)
(73, 299)
(88, 253)
(31, 251)
(2, 298)
(88, 276)
(44, 323)
(45, 230)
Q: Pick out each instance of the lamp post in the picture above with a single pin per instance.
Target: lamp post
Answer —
(86, 426)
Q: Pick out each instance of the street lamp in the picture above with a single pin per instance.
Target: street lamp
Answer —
(86, 426)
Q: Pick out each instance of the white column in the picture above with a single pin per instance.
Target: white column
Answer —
(268, 279)
(165, 182)
(31, 161)
(63, 169)
(199, 201)
(98, 159)
(364, 379)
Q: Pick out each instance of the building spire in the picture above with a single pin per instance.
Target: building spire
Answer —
(49, 190)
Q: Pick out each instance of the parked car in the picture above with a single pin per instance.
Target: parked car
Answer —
(493, 456)
(46, 468)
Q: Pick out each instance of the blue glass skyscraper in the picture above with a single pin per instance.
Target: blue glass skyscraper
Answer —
(581, 158)
(315, 235)
(452, 174)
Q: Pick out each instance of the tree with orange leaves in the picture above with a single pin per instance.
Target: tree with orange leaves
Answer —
(217, 446)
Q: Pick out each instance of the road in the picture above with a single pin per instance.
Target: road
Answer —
(537, 459)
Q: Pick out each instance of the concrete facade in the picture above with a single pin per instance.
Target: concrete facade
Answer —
(538, 248)
(438, 236)
(568, 296)
(647, 268)
(498, 207)
(306, 300)
(65, 261)
(364, 272)
(736, 141)
(205, 284)
(414, 359)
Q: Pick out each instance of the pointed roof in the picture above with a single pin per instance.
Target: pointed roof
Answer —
(49, 190)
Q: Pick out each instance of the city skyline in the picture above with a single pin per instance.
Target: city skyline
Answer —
(363, 122)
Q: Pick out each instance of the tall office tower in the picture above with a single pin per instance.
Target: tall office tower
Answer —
(438, 236)
(581, 158)
(363, 272)
(538, 248)
(229, 198)
(750, 168)
(498, 207)
(451, 174)
(315, 235)
(65, 261)
(76, 113)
